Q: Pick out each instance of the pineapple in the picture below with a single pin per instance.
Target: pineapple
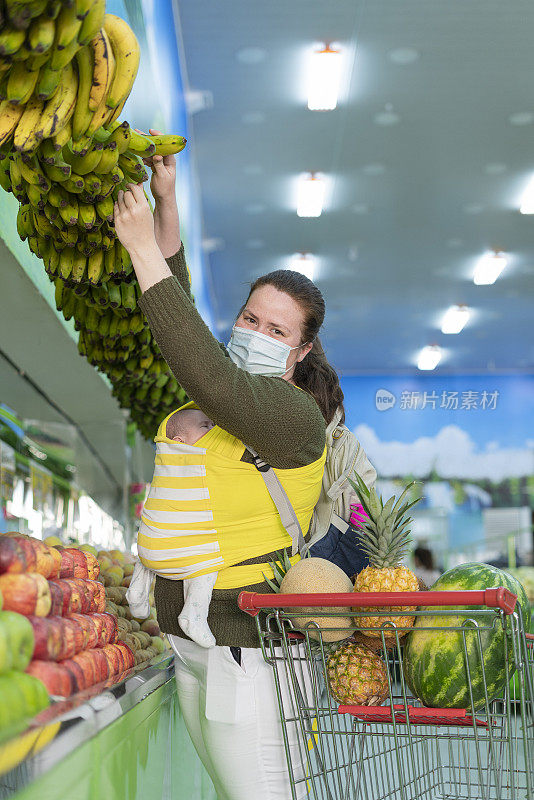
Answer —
(384, 537)
(357, 676)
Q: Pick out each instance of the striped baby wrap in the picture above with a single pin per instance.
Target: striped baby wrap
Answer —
(207, 510)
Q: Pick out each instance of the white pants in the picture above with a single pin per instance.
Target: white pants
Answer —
(232, 715)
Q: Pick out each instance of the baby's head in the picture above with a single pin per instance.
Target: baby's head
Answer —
(187, 426)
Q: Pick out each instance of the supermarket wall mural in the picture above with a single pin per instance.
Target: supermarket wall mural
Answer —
(468, 441)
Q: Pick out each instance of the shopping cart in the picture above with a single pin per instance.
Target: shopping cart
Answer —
(399, 750)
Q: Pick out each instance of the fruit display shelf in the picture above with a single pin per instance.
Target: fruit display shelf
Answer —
(66, 71)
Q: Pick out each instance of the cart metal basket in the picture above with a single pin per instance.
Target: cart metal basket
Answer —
(399, 750)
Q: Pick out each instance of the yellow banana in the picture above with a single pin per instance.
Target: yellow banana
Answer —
(57, 173)
(60, 58)
(103, 69)
(26, 139)
(58, 197)
(117, 112)
(82, 115)
(80, 147)
(21, 12)
(92, 184)
(11, 40)
(9, 118)
(36, 196)
(141, 145)
(53, 8)
(67, 27)
(41, 34)
(83, 7)
(126, 51)
(63, 136)
(169, 144)
(60, 108)
(93, 21)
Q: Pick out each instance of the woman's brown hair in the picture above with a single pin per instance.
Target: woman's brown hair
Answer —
(313, 374)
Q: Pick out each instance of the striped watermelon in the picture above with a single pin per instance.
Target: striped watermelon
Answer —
(434, 661)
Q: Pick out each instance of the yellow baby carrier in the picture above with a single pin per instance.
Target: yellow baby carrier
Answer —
(193, 486)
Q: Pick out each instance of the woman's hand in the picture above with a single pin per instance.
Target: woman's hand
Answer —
(163, 174)
(134, 223)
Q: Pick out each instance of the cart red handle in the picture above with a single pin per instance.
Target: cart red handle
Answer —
(499, 597)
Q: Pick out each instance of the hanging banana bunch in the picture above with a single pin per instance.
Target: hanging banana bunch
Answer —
(66, 71)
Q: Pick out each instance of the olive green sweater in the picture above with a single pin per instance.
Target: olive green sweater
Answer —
(283, 424)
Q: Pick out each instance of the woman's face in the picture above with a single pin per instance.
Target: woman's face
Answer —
(276, 314)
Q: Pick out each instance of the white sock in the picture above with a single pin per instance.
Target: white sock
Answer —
(193, 618)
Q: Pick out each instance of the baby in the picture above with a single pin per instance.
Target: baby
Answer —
(186, 426)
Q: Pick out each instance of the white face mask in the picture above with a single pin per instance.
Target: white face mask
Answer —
(258, 353)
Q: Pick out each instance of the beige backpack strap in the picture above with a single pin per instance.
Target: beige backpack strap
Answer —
(281, 500)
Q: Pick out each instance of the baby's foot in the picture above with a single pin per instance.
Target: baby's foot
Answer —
(197, 628)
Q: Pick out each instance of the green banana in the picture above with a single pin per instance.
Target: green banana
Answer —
(60, 294)
(67, 28)
(121, 134)
(21, 83)
(69, 214)
(104, 209)
(57, 197)
(141, 145)
(57, 173)
(92, 22)
(95, 267)
(11, 40)
(108, 160)
(52, 263)
(128, 298)
(79, 267)
(60, 108)
(114, 294)
(74, 184)
(40, 36)
(51, 213)
(36, 196)
(23, 229)
(48, 82)
(63, 136)
(83, 164)
(32, 171)
(53, 8)
(86, 215)
(66, 263)
(92, 184)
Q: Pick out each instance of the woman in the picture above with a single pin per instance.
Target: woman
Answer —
(279, 405)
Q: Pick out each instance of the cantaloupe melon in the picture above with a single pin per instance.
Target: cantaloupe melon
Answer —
(319, 575)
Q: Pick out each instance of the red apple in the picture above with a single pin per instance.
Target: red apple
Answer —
(56, 595)
(128, 655)
(47, 641)
(56, 555)
(12, 555)
(27, 544)
(91, 632)
(90, 589)
(99, 596)
(66, 592)
(67, 563)
(69, 633)
(110, 623)
(100, 627)
(26, 593)
(88, 666)
(86, 594)
(76, 599)
(113, 658)
(101, 664)
(80, 562)
(93, 567)
(77, 675)
(54, 676)
(45, 562)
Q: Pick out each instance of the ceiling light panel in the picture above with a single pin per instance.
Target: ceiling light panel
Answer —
(489, 268)
(455, 319)
(429, 357)
(324, 79)
(310, 195)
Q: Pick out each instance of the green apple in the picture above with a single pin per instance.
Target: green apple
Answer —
(89, 549)
(20, 638)
(6, 656)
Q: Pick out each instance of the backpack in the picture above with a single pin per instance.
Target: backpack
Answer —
(331, 535)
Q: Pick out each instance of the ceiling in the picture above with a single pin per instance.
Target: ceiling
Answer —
(412, 205)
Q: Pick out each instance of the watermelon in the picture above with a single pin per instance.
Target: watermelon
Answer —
(434, 661)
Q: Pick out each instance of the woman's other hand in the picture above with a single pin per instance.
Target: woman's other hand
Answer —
(134, 223)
